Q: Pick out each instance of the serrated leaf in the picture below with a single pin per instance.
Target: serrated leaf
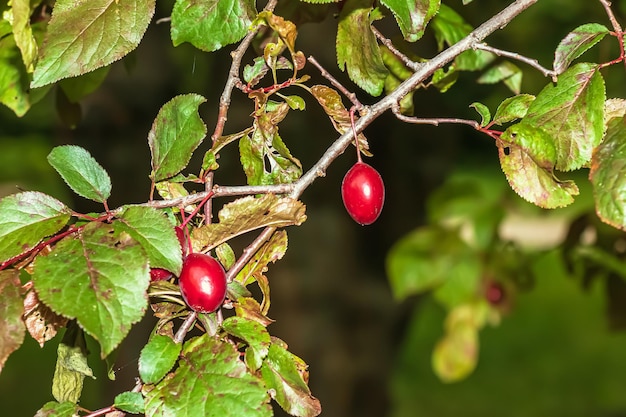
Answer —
(532, 182)
(130, 402)
(213, 382)
(157, 358)
(250, 308)
(98, 277)
(211, 25)
(26, 218)
(576, 43)
(449, 28)
(226, 255)
(484, 112)
(357, 48)
(84, 35)
(426, 259)
(572, 112)
(513, 108)
(252, 74)
(286, 375)
(155, 233)
(254, 334)
(285, 29)
(12, 328)
(55, 409)
(608, 175)
(78, 87)
(176, 132)
(41, 322)
(505, 72)
(247, 214)
(81, 172)
(273, 250)
(23, 33)
(613, 108)
(413, 16)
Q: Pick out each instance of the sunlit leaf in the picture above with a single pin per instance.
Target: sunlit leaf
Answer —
(576, 43)
(84, 35)
(357, 48)
(250, 308)
(413, 16)
(14, 89)
(246, 214)
(176, 132)
(98, 277)
(512, 108)
(81, 172)
(484, 112)
(130, 402)
(213, 382)
(23, 32)
(71, 367)
(254, 334)
(608, 175)
(26, 219)
(211, 25)
(55, 409)
(572, 113)
(157, 358)
(156, 234)
(12, 328)
(287, 375)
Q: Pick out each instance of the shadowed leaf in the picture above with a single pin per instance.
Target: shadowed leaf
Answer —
(11, 308)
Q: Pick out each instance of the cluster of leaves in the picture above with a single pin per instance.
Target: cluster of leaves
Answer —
(90, 273)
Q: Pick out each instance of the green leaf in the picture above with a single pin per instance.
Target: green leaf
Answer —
(84, 35)
(246, 214)
(55, 409)
(71, 367)
(608, 175)
(98, 277)
(357, 49)
(130, 402)
(151, 228)
(12, 327)
(428, 257)
(213, 24)
(252, 74)
(212, 381)
(505, 72)
(513, 108)
(576, 43)
(533, 182)
(81, 172)
(413, 16)
(443, 80)
(295, 102)
(157, 358)
(484, 112)
(226, 255)
(285, 374)
(14, 90)
(572, 113)
(26, 218)
(22, 32)
(449, 28)
(176, 132)
(254, 334)
(248, 307)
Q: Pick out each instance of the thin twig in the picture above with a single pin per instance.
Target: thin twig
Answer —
(249, 251)
(185, 327)
(434, 121)
(350, 95)
(619, 32)
(233, 76)
(387, 42)
(512, 55)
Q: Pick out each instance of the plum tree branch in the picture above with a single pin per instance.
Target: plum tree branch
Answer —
(512, 55)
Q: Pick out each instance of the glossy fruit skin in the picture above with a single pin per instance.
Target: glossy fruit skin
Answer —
(363, 193)
(202, 282)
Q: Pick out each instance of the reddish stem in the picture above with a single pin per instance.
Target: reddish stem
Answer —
(101, 412)
(356, 138)
(197, 209)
